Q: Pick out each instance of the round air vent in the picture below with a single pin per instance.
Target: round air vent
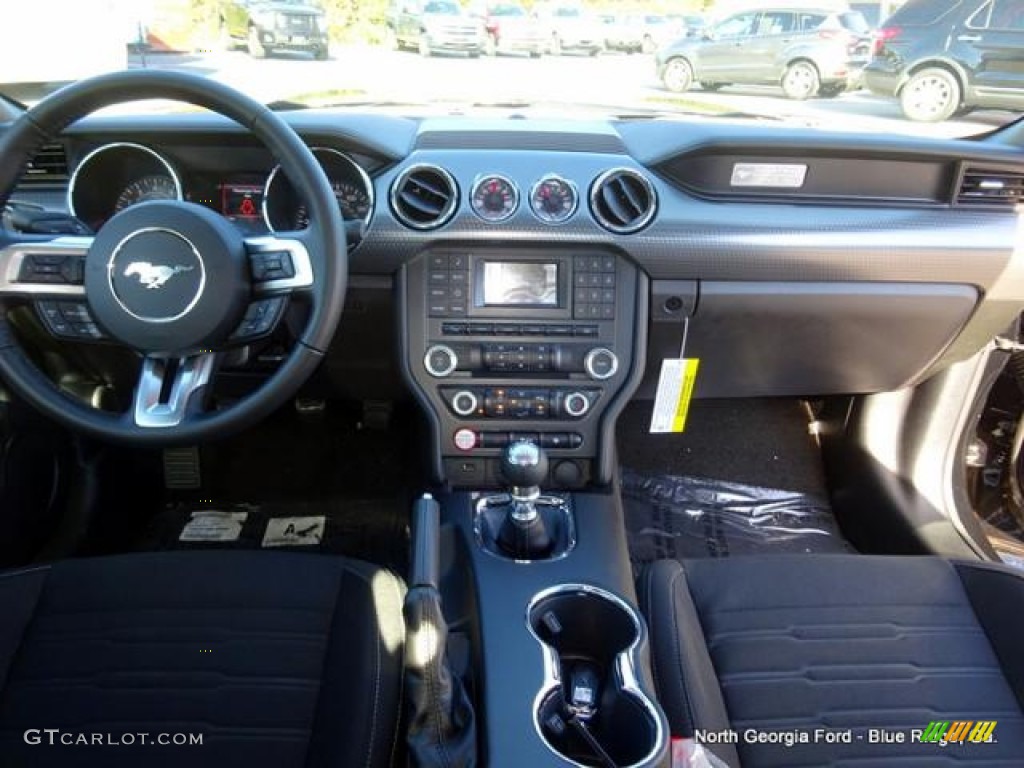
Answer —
(623, 200)
(424, 196)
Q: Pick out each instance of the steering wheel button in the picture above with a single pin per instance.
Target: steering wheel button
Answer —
(73, 270)
(87, 330)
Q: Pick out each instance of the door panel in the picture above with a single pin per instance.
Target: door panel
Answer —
(775, 31)
(722, 59)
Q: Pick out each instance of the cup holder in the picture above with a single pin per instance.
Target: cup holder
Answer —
(591, 710)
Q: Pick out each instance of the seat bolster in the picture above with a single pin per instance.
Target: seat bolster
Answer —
(365, 650)
(679, 653)
(19, 596)
(996, 594)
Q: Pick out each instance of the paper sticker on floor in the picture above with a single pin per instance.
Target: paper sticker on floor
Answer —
(294, 531)
(213, 525)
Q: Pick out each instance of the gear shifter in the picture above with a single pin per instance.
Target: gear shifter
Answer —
(524, 534)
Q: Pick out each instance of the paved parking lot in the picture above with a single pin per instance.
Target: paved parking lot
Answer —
(612, 80)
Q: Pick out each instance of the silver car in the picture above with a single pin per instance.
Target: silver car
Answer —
(808, 52)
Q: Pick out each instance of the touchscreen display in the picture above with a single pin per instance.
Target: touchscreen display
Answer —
(519, 283)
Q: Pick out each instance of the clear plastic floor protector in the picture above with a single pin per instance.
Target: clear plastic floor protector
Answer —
(677, 517)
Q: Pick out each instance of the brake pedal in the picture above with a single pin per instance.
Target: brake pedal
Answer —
(182, 470)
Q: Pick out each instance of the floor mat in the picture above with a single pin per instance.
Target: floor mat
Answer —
(369, 529)
(763, 442)
(677, 517)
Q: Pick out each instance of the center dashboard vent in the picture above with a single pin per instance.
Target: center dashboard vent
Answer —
(623, 200)
(48, 166)
(997, 188)
(424, 196)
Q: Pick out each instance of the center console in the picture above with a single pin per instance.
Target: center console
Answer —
(522, 359)
(504, 344)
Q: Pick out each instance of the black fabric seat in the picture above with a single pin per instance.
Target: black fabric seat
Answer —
(274, 659)
(841, 643)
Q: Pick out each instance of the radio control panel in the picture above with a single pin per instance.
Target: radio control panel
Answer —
(505, 342)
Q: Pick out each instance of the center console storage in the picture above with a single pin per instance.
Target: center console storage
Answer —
(505, 344)
(591, 709)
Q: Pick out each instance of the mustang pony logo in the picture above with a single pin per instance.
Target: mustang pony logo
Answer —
(153, 276)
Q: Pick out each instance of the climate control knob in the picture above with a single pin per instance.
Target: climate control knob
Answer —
(601, 363)
(465, 403)
(576, 404)
(440, 361)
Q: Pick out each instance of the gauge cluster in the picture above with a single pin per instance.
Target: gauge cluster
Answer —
(116, 176)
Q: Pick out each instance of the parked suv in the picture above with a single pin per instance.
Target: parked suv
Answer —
(435, 26)
(809, 52)
(282, 25)
(944, 57)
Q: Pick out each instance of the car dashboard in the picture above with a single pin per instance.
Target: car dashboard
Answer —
(525, 277)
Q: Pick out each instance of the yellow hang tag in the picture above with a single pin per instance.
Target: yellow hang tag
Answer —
(672, 399)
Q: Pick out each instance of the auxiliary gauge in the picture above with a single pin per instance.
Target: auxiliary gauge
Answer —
(494, 198)
(554, 199)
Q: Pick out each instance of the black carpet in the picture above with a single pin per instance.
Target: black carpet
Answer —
(373, 529)
(744, 478)
(760, 442)
(361, 480)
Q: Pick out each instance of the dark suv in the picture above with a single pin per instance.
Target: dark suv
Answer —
(808, 51)
(280, 25)
(946, 57)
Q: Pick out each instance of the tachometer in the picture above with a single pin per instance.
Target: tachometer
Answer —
(152, 187)
(553, 199)
(494, 198)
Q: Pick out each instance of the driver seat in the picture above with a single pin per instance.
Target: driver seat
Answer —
(272, 658)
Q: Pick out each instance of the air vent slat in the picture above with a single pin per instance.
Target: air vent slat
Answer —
(623, 200)
(425, 187)
(991, 187)
(613, 200)
(48, 166)
(414, 200)
(424, 197)
(633, 198)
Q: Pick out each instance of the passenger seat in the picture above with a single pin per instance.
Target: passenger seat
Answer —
(857, 653)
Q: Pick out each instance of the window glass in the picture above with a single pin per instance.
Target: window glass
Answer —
(807, 22)
(775, 23)
(737, 26)
(1007, 14)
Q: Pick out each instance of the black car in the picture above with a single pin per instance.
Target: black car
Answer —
(947, 57)
(284, 25)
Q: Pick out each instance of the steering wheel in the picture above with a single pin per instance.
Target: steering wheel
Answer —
(172, 280)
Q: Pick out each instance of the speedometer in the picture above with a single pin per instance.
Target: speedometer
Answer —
(494, 198)
(284, 208)
(152, 187)
(353, 201)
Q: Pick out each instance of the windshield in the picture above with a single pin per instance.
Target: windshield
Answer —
(940, 68)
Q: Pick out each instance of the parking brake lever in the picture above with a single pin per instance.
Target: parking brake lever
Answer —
(441, 730)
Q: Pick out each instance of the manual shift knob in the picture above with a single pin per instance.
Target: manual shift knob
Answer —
(524, 464)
